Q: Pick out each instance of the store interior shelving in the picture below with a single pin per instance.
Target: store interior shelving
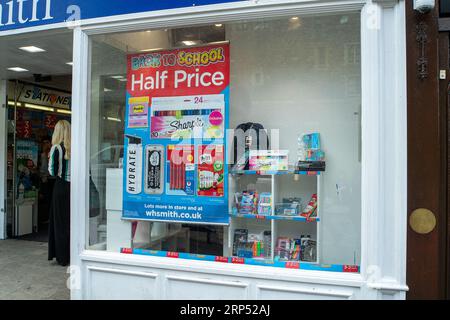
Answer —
(281, 185)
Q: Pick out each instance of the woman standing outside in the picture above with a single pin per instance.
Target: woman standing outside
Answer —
(59, 167)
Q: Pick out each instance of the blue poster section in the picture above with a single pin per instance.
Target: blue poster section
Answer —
(46, 12)
(156, 190)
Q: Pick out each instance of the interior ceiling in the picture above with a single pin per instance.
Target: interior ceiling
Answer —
(53, 61)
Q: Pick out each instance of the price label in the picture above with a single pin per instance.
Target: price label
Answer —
(173, 254)
(221, 259)
(293, 265)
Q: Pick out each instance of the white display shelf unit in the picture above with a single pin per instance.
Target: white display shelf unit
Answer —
(280, 184)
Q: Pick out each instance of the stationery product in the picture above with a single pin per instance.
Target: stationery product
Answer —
(311, 207)
(138, 112)
(295, 249)
(267, 241)
(289, 207)
(154, 170)
(134, 165)
(210, 170)
(180, 170)
(308, 249)
(249, 202)
(265, 203)
(269, 160)
(311, 166)
(309, 148)
(239, 240)
(282, 250)
(188, 117)
(252, 245)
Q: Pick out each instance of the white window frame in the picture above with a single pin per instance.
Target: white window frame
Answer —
(384, 182)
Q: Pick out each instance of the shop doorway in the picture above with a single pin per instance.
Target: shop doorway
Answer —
(36, 82)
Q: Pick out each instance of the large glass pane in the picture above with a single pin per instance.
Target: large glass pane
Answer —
(294, 101)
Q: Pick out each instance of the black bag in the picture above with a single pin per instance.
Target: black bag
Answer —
(94, 199)
(248, 136)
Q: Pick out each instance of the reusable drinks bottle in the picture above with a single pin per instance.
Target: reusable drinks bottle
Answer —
(134, 165)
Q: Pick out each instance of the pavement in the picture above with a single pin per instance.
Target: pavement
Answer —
(26, 274)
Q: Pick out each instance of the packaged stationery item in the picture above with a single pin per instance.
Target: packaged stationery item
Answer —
(269, 160)
(308, 249)
(210, 170)
(289, 207)
(310, 155)
(252, 245)
(282, 250)
(138, 112)
(267, 241)
(154, 169)
(248, 204)
(180, 170)
(239, 240)
(295, 249)
(188, 117)
(265, 203)
(311, 207)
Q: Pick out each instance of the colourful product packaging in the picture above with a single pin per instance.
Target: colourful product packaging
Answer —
(311, 207)
(210, 180)
(172, 118)
(138, 112)
(180, 170)
(269, 160)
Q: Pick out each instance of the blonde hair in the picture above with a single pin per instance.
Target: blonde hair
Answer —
(62, 135)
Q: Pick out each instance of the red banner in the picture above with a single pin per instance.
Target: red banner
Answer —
(179, 72)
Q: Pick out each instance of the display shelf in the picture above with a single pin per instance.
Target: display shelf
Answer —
(247, 261)
(281, 226)
(275, 217)
(272, 172)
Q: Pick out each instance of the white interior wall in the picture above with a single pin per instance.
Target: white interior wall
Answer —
(305, 77)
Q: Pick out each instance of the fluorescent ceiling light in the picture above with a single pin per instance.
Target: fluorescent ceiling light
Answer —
(17, 69)
(64, 111)
(117, 77)
(69, 63)
(189, 42)
(107, 90)
(123, 80)
(32, 49)
(114, 119)
(11, 103)
(294, 18)
(34, 106)
(218, 25)
(149, 50)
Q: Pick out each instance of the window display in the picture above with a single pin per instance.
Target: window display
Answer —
(239, 145)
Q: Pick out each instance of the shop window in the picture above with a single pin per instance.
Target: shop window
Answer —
(233, 142)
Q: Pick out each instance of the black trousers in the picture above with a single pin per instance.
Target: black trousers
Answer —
(59, 223)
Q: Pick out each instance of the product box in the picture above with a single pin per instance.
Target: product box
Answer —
(188, 117)
(269, 160)
(180, 170)
(210, 180)
(138, 112)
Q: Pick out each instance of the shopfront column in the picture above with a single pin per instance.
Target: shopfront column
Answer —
(3, 137)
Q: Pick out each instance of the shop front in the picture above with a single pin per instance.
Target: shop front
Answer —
(236, 149)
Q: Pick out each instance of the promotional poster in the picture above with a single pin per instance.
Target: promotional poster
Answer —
(175, 142)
